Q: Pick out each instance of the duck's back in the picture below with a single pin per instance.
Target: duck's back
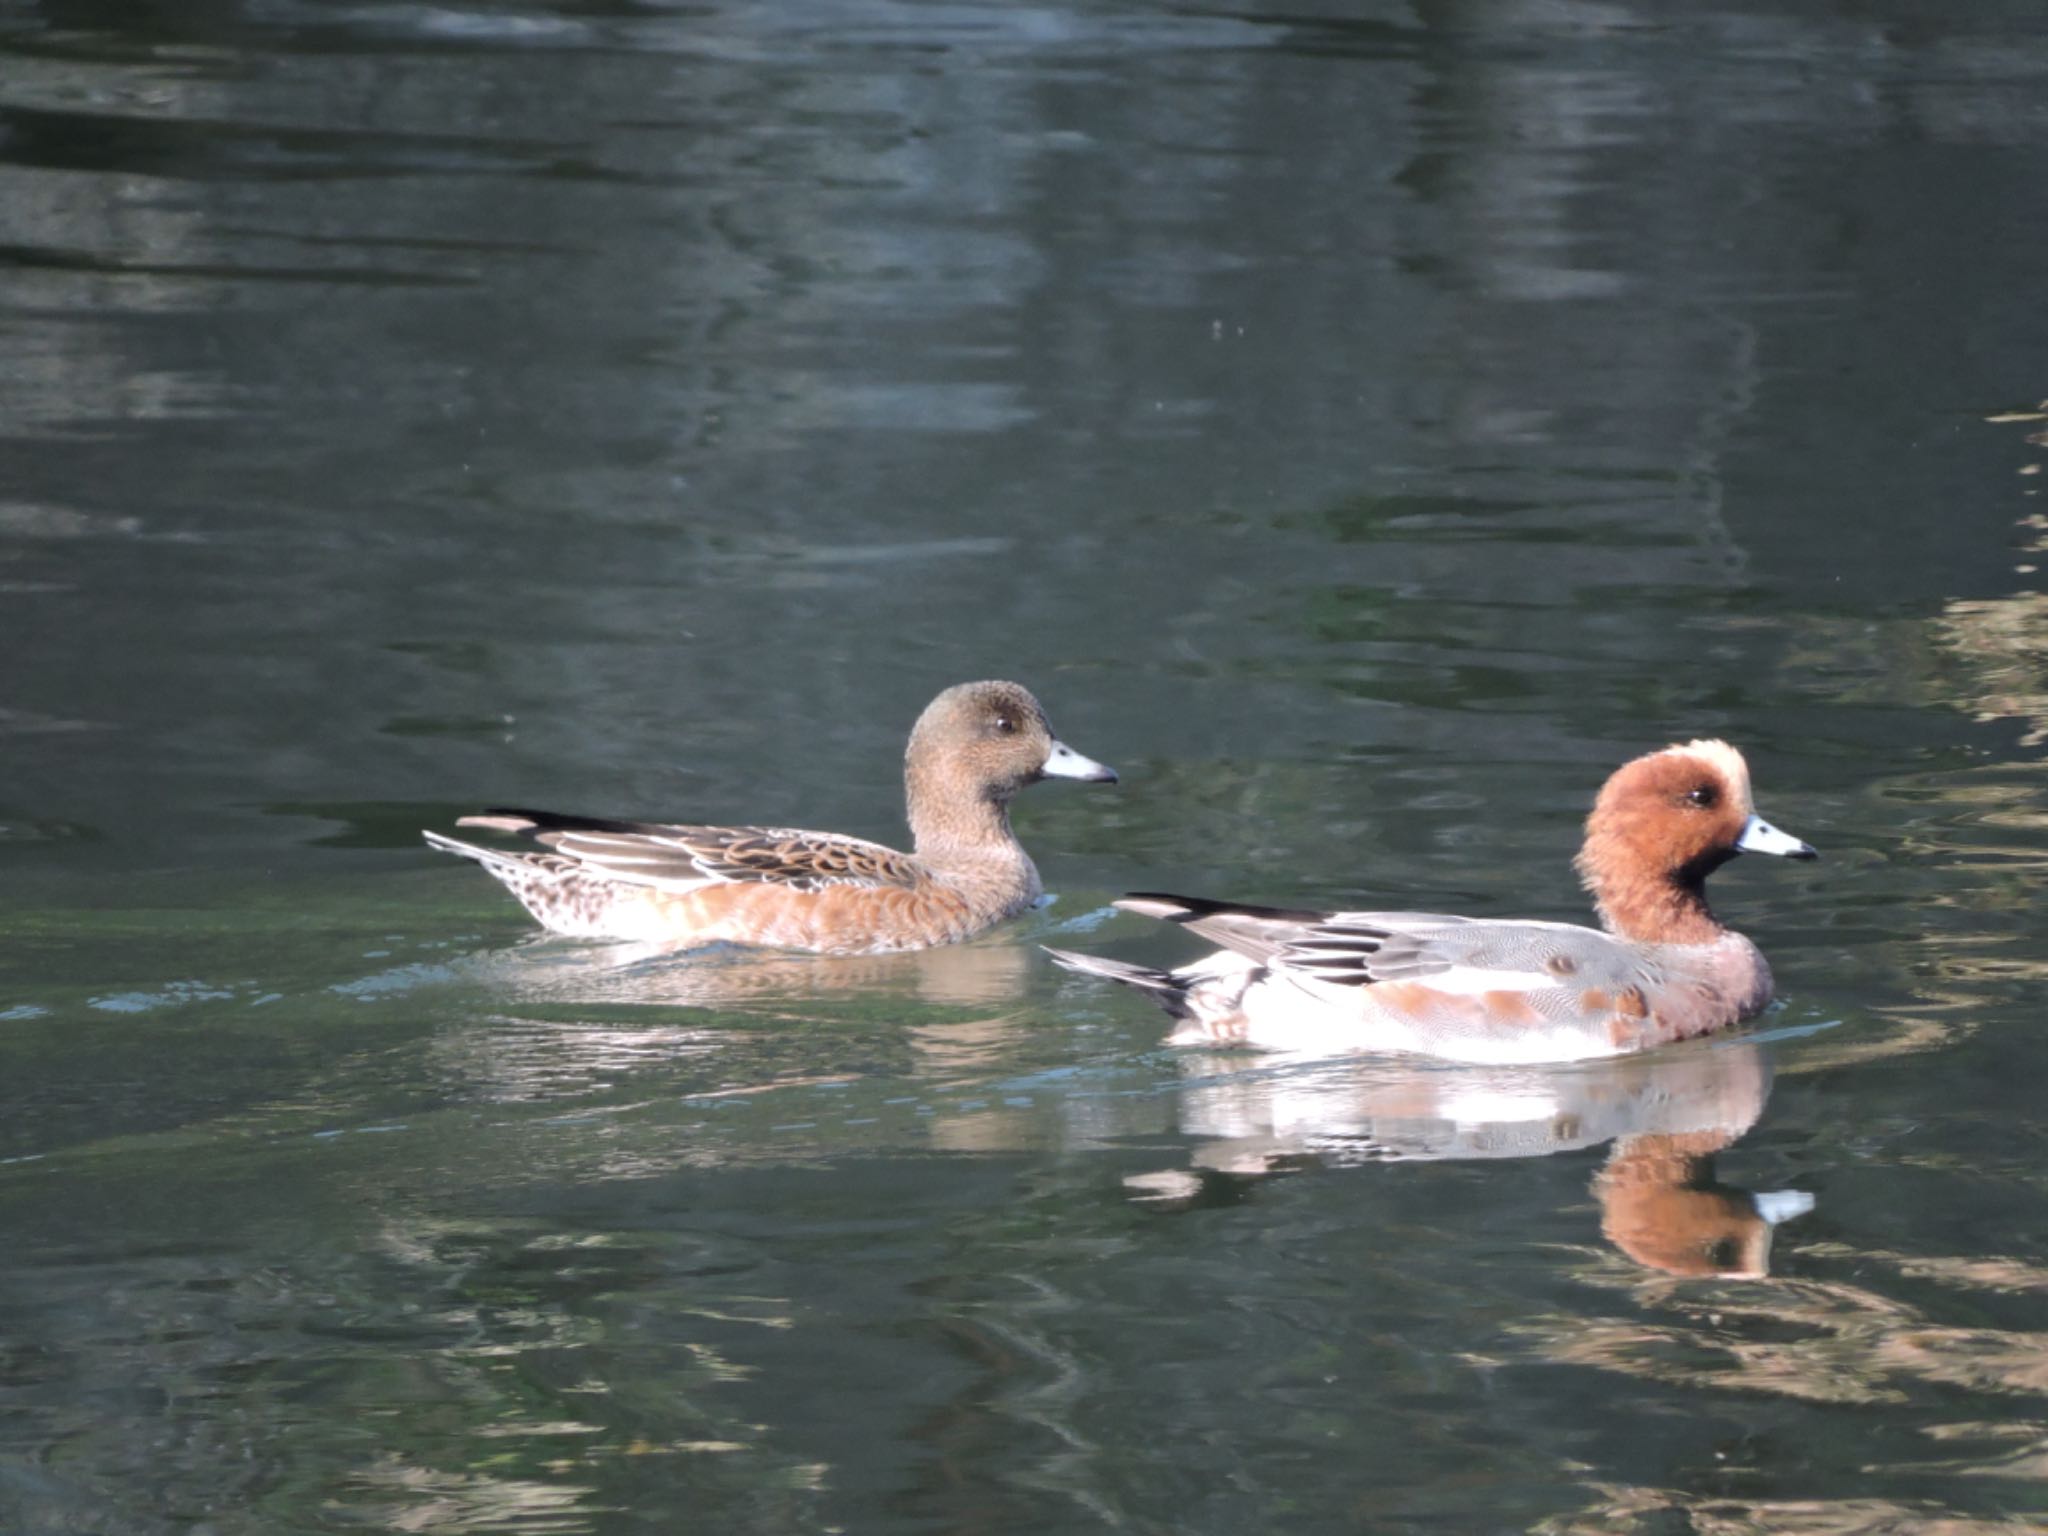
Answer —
(1477, 990)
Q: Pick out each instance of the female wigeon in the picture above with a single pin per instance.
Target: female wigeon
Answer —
(1472, 989)
(972, 749)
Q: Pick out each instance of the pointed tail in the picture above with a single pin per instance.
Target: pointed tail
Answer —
(1164, 988)
(495, 860)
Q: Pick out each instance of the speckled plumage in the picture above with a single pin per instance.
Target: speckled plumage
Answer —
(974, 747)
(1661, 968)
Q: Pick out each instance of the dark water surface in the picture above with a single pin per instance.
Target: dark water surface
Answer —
(1364, 426)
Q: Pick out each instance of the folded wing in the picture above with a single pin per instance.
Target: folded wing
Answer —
(679, 858)
(1560, 968)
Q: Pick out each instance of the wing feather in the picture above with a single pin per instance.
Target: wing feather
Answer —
(678, 857)
(1448, 954)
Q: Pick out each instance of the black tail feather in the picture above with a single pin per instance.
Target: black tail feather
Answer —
(1192, 909)
(1163, 987)
(533, 823)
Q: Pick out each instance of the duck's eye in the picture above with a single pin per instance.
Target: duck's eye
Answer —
(1703, 796)
(1007, 724)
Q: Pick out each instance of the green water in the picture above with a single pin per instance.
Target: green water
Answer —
(1362, 430)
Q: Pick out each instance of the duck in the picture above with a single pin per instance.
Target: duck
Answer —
(1659, 968)
(686, 885)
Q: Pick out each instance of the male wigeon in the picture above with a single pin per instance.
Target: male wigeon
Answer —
(971, 750)
(1472, 989)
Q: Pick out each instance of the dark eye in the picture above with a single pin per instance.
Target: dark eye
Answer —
(1704, 796)
(1007, 724)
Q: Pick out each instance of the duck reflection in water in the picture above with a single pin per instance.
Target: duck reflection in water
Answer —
(980, 973)
(1667, 1114)
(575, 1015)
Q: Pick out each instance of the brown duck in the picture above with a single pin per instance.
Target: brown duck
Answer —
(974, 747)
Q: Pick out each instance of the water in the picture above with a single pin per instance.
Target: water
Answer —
(1364, 428)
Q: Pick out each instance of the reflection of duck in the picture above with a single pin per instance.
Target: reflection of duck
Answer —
(974, 747)
(990, 972)
(572, 1017)
(1661, 1205)
(1660, 968)
(1667, 1113)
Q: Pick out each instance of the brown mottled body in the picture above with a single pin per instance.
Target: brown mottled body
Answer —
(971, 751)
(1661, 968)
(844, 919)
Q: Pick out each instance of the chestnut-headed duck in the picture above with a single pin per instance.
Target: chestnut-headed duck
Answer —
(1659, 968)
(971, 750)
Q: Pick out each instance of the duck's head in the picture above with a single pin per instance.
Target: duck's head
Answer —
(982, 742)
(1669, 819)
